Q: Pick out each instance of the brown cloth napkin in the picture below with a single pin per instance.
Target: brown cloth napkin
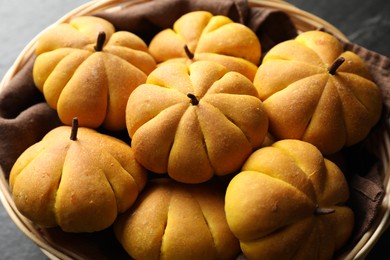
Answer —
(25, 117)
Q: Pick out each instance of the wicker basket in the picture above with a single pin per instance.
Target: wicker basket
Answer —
(303, 21)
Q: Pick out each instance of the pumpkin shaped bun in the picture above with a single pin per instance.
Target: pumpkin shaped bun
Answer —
(289, 203)
(200, 35)
(172, 220)
(315, 91)
(80, 183)
(87, 70)
(194, 121)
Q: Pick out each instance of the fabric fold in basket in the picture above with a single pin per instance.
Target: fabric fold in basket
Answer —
(25, 118)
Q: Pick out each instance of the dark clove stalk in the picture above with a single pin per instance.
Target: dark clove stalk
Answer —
(75, 127)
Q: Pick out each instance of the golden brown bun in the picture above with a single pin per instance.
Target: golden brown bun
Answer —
(92, 85)
(78, 185)
(276, 205)
(193, 142)
(209, 37)
(305, 101)
(177, 221)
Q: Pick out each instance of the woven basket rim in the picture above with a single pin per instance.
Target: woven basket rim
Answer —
(302, 20)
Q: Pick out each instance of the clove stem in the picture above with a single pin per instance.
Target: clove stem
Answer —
(189, 54)
(336, 64)
(100, 41)
(75, 127)
(194, 101)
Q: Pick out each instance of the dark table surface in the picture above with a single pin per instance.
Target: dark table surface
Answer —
(366, 23)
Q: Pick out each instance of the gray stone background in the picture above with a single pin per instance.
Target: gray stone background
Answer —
(364, 22)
